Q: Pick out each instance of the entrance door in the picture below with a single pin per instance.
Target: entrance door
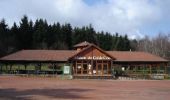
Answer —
(99, 69)
(85, 69)
(105, 68)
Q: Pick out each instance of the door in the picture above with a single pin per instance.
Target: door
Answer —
(99, 69)
(105, 68)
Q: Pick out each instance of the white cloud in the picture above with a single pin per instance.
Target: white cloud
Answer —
(122, 16)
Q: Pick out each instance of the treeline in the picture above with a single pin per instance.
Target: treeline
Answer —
(41, 35)
(159, 45)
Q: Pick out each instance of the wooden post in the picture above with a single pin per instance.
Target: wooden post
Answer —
(150, 71)
(76, 67)
(25, 68)
(18, 69)
(10, 67)
(158, 68)
(6, 68)
(165, 68)
(150, 68)
(110, 69)
(144, 69)
(1, 68)
(102, 68)
(135, 69)
(40, 67)
(53, 68)
(81, 67)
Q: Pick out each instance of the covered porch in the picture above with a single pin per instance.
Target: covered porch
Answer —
(141, 70)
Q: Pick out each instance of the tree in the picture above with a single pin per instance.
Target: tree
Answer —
(25, 33)
(40, 35)
(14, 43)
(4, 35)
(67, 35)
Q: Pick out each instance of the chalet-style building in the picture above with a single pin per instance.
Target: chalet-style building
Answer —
(90, 61)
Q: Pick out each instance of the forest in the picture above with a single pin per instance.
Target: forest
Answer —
(42, 35)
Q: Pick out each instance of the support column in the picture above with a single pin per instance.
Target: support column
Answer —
(165, 68)
(1, 68)
(25, 68)
(81, 67)
(135, 69)
(76, 67)
(111, 66)
(18, 72)
(10, 67)
(150, 69)
(53, 69)
(40, 67)
(102, 68)
(143, 68)
(158, 68)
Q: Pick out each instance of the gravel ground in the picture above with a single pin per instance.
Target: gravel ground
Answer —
(34, 88)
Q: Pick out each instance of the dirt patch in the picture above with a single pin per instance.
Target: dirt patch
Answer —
(34, 88)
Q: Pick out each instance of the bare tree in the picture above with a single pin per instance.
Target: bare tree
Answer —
(160, 45)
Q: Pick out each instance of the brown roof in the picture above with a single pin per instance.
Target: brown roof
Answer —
(82, 44)
(40, 55)
(135, 56)
(64, 55)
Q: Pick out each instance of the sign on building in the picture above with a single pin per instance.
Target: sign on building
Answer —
(66, 69)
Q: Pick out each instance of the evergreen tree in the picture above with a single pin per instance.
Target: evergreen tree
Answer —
(126, 43)
(40, 35)
(67, 35)
(13, 37)
(25, 33)
(4, 35)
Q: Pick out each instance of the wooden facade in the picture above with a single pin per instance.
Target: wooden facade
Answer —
(89, 61)
(93, 61)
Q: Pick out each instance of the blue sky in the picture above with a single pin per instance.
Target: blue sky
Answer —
(136, 18)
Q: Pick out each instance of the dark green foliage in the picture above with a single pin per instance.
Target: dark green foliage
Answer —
(24, 35)
(86, 33)
(41, 35)
(4, 37)
(105, 40)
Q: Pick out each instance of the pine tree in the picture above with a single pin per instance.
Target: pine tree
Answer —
(4, 35)
(25, 33)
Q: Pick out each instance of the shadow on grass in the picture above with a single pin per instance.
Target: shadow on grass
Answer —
(13, 94)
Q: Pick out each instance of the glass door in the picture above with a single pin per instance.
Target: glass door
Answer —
(105, 68)
(99, 69)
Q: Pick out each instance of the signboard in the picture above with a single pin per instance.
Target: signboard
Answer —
(66, 69)
(93, 57)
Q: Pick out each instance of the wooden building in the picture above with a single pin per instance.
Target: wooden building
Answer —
(90, 61)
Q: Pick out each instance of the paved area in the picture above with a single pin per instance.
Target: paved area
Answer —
(23, 88)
